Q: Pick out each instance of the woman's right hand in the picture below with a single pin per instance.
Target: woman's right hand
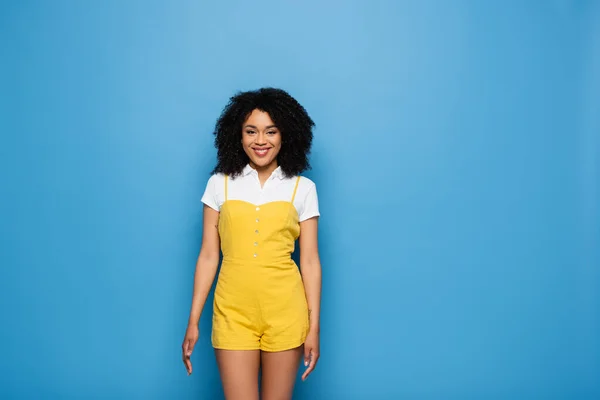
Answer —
(189, 341)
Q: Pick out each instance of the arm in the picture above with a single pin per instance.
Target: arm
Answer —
(206, 265)
(310, 267)
(206, 269)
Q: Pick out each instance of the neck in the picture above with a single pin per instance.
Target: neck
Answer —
(264, 172)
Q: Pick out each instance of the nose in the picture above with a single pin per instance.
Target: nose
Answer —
(261, 138)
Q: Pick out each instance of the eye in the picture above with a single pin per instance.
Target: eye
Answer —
(272, 133)
(250, 132)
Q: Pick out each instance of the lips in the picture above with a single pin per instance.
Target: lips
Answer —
(260, 152)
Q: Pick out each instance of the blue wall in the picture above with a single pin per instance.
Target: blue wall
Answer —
(457, 156)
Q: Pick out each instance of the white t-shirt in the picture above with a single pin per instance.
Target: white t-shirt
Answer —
(247, 187)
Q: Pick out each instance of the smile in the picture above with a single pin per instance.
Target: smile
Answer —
(260, 152)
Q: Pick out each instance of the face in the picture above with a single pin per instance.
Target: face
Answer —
(261, 140)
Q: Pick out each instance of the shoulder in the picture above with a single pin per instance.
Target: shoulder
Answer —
(219, 176)
(307, 188)
(215, 179)
(307, 202)
(306, 183)
(214, 191)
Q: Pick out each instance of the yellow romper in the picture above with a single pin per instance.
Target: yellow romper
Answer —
(259, 300)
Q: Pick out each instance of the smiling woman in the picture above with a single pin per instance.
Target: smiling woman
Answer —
(274, 111)
(266, 309)
(261, 139)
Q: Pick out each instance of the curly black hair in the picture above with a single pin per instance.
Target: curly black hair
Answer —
(291, 119)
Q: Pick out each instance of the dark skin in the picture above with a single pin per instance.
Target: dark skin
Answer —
(239, 369)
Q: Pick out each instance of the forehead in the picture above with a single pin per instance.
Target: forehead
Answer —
(259, 118)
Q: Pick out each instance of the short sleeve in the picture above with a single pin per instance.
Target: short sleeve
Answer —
(210, 196)
(310, 205)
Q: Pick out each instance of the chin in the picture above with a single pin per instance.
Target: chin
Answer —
(261, 162)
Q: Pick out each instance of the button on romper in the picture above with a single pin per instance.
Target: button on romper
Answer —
(259, 300)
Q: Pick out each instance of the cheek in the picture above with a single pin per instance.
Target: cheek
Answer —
(277, 148)
(246, 140)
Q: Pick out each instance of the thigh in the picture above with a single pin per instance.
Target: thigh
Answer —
(285, 316)
(239, 373)
(279, 373)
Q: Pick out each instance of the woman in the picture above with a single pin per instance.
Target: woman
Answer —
(256, 205)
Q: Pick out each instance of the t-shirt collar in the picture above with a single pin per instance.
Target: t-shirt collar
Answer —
(277, 173)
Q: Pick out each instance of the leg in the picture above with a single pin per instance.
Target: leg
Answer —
(279, 372)
(239, 373)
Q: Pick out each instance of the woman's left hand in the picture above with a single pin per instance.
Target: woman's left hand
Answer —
(311, 353)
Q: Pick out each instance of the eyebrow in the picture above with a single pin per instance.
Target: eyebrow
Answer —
(268, 127)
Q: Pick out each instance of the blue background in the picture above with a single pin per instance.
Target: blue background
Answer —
(457, 158)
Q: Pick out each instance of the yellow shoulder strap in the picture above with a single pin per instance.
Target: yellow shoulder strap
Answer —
(295, 189)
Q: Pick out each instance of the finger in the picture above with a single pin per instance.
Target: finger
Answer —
(188, 366)
(307, 372)
(187, 348)
(307, 351)
(313, 362)
(186, 353)
(185, 359)
(191, 346)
